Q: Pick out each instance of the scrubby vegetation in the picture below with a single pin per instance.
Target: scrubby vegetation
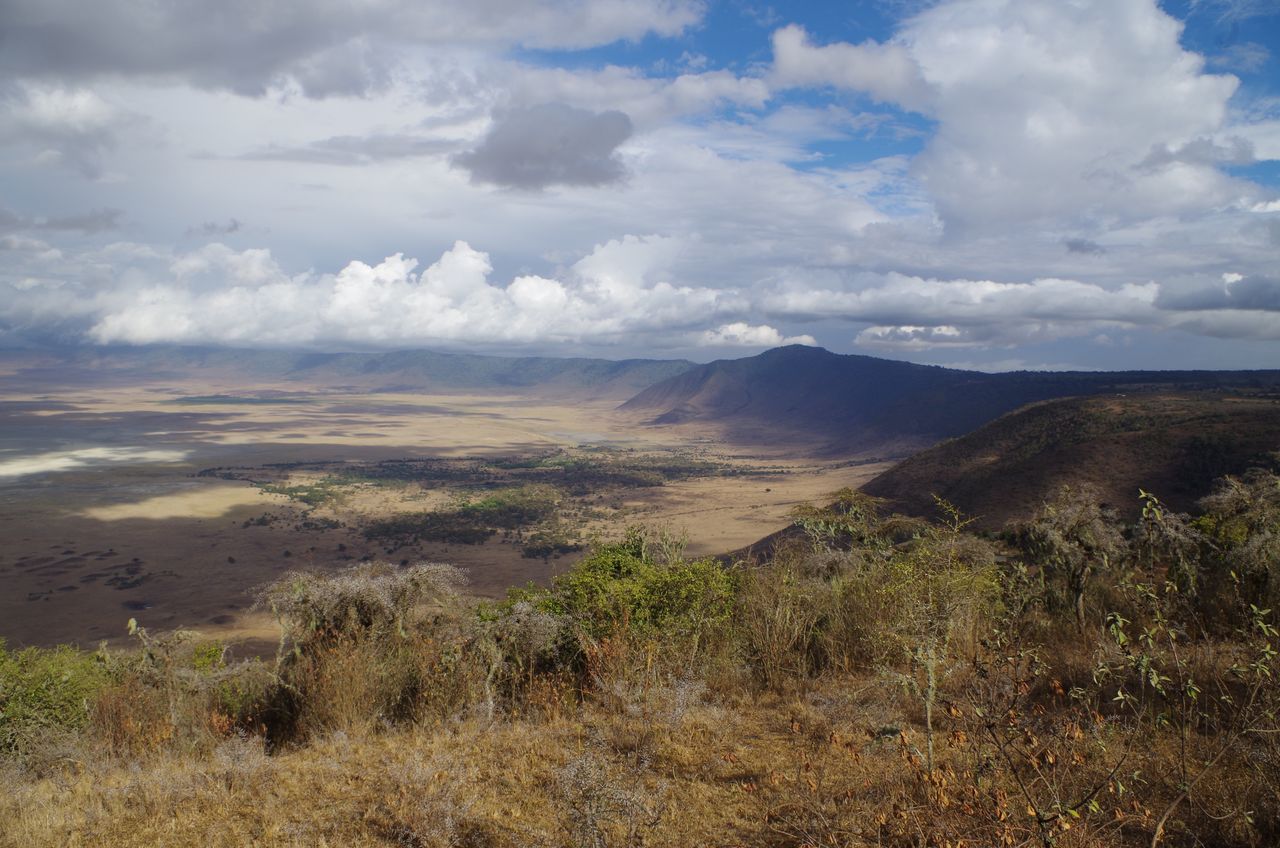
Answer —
(472, 519)
(544, 502)
(880, 681)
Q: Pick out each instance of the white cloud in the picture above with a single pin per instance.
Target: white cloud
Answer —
(742, 334)
(61, 125)
(648, 101)
(912, 313)
(888, 72)
(1039, 170)
(1045, 109)
(612, 293)
(325, 47)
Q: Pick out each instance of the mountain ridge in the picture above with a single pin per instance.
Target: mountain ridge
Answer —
(399, 370)
(860, 404)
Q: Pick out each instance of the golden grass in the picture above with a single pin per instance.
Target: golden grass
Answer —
(835, 767)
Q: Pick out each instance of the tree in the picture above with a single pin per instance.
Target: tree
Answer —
(1242, 516)
(1070, 538)
(940, 584)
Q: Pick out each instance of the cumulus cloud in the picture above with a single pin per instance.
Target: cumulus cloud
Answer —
(1041, 131)
(742, 334)
(1200, 151)
(624, 290)
(888, 72)
(915, 313)
(245, 297)
(74, 127)
(649, 101)
(1232, 324)
(1075, 113)
(550, 144)
(1234, 291)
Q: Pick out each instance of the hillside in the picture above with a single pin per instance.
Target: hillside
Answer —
(861, 404)
(1171, 444)
(410, 370)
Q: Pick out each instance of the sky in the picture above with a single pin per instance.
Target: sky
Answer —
(992, 184)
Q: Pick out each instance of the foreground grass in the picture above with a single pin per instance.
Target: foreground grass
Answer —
(473, 782)
(831, 767)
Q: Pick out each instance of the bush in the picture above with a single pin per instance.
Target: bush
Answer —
(371, 646)
(780, 617)
(1242, 517)
(43, 693)
(621, 587)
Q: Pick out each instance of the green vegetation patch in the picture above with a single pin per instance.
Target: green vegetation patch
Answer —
(44, 692)
(472, 520)
(623, 586)
(312, 494)
(592, 471)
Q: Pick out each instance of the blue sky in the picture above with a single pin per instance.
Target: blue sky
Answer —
(996, 184)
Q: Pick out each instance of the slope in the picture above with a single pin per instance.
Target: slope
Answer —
(1174, 445)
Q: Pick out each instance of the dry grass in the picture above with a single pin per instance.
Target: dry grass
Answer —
(837, 767)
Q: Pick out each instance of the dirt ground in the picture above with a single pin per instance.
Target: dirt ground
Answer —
(103, 519)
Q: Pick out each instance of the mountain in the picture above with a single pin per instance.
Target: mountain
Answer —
(1173, 445)
(877, 407)
(410, 370)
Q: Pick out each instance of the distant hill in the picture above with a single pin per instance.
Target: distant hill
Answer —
(1172, 445)
(411, 370)
(864, 405)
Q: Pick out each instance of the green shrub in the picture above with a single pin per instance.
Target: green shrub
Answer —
(44, 692)
(622, 587)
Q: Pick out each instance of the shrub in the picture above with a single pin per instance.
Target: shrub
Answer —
(370, 646)
(1242, 517)
(621, 587)
(367, 599)
(1070, 539)
(44, 692)
(779, 617)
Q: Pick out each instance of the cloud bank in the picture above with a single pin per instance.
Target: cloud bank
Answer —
(1072, 181)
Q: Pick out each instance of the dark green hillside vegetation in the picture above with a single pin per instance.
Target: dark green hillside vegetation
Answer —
(878, 680)
(472, 520)
(1176, 445)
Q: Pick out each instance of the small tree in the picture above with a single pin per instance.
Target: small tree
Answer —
(940, 585)
(1069, 539)
(1169, 542)
(1242, 517)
